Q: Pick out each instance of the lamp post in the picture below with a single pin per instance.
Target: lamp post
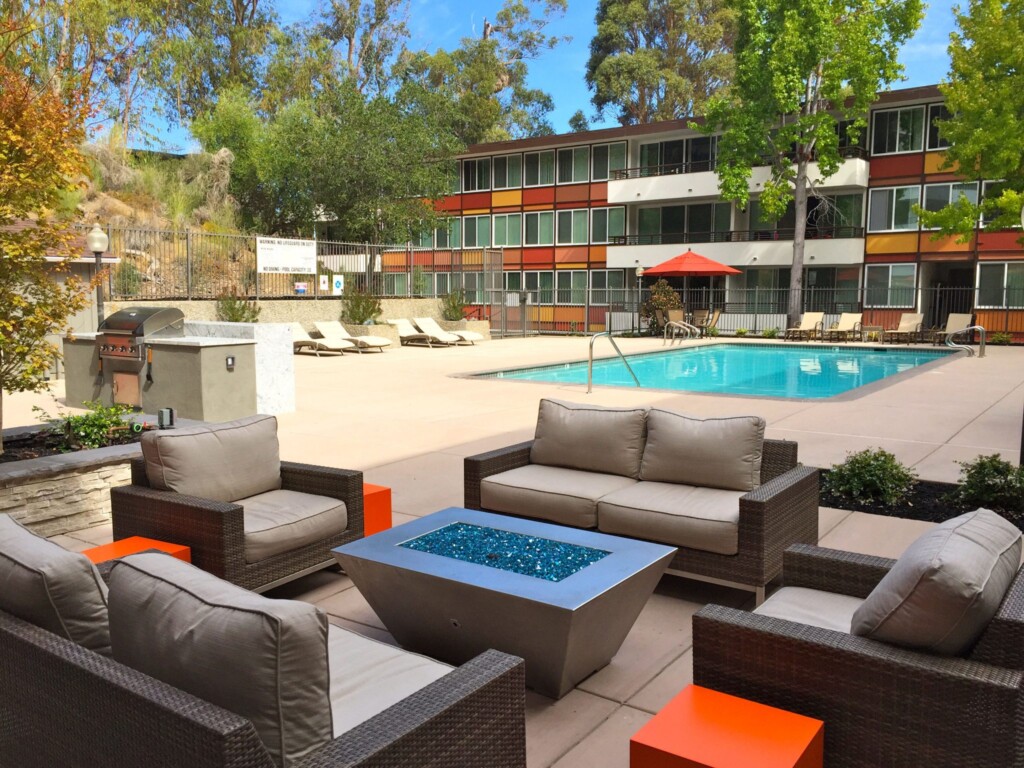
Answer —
(639, 293)
(97, 242)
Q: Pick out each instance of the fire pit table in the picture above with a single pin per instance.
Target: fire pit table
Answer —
(459, 581)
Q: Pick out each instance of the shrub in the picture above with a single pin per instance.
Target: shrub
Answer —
(358, 306)
(871, 475)
(420, 282)
(453, 305)
(742, 331)
(1000, 339)
(103, 425)
(663, 297)
(770, 333)
(127, 279)
(712, 331)
(991, 482)
(232, 308)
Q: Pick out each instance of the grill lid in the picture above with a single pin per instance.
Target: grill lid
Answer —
(143, 321)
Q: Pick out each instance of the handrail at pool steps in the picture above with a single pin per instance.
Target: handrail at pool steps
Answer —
(970, 352)
(689, 330)
(590, 360)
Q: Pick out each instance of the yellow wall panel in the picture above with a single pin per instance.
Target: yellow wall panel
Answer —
(581, 265)
(933, 163)
(944, 244)
(898, 242)
(570, 314)
(509, 197)
(475, 211)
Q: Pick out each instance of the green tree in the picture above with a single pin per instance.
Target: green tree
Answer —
(40, 132)
(368, 37)
(801, 67)
(659, 60)
(985, 98)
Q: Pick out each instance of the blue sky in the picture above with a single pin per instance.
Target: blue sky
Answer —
(561, 72)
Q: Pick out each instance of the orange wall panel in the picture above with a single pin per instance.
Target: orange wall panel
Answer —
(946, 244)
(512, 257)
(573, 193)
(889, 166)
(538, 195)
(599, 253)
(570, 314)
(574, 254)
(897, 242)
(599, 193)
(507, 198)
(538, 257)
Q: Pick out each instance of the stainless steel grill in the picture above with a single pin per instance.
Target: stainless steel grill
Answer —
(123, 335)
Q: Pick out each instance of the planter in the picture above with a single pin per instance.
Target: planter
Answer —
(383, 330)
(482, 327)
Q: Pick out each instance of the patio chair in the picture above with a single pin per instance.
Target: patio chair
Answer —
(429, 325)
(302, 340)
(407, 334)
(810, 326)
(848, 327)
(248, 517)
(333, 332)
(677, 315)
(883, 704)
(954, 323)
(711, 321)
(908, 330)
(700, 316)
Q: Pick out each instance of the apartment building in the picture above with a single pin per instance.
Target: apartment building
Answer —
(576, 215)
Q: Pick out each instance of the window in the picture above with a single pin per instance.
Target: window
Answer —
(993, 190)
(1001, 285)
(701, 153)
(938, 196)
(513, 281)
(477, 231)
(396, 284)
(540, 228)
(449, 236)
(425, 239)
(892, 209)
(898, 130)
(442, 283)
(845, 142)
(671, 156)
(606, 223)
(473, 285)
(607, 286)
(571, 286)
(476, 174)
(936, 112)
(540, 285)
(508, 172)
(708, 222)
(539, 169)
(573, 165)
(835, 215)
(890, 285)
(606, 159)
(572, 227)
(508, 229)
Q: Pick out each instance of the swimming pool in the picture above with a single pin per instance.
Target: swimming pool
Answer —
(761, 370)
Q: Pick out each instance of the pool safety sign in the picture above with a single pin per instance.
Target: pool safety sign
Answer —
(338, 285)
(276, 256)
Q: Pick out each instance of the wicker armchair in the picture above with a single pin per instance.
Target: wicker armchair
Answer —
(64, 705)
(781, 512)
(215, 532)
(882, 705)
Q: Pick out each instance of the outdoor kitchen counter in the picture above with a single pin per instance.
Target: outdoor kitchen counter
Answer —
(181, 341)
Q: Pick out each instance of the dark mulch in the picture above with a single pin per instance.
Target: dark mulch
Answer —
(37, 444)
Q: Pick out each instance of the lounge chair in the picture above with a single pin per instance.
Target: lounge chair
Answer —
(429, 325)
(407, 334)
(810, 326)
(711, 321)
(908, 330)
(333, 332)
(302, 340)
(848, 327)
(954, 324)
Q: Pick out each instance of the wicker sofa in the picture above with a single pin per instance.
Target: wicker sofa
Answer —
(248, 517)
(730, 500)
(883, 704)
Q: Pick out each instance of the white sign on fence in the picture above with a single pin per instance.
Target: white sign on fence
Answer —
(338, 285)
(275, 255)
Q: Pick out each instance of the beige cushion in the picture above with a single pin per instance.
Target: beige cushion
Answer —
(717, 453)
(223, 462)
(589, 437)
(557, 494)
(60, 591)
(946, 587)
(669, 513)
(815, 607)
(280, 521)
(263, 659)
(368, 676)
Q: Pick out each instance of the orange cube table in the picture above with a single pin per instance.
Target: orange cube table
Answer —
(376, 508)
(701, 728)
(133, 545)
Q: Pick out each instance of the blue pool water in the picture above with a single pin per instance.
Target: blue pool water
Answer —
(764, 370)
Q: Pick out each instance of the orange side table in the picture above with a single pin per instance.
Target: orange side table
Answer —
(133, 545)
(701, 728)
(376, 508)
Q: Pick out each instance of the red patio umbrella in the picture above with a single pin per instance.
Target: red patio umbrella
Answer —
(690, 264)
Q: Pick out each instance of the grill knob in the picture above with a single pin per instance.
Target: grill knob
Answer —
(124, 349)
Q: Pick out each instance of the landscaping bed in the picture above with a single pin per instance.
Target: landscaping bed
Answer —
(37, 443)
(926, 501)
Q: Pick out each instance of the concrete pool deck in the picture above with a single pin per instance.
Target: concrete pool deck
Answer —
(407, 420)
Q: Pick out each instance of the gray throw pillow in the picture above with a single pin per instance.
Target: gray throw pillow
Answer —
(713, 453)
(946, 587)
(263, 659)
(589, 437)
(45, 584)
(224, 462)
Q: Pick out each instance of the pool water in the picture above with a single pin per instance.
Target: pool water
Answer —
(760, 370)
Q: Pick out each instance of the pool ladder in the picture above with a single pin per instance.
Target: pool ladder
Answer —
(590, 360)
(964, 347)
(690, 331)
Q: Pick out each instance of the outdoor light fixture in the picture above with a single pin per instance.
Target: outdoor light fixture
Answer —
(639, 292)
(97, 242)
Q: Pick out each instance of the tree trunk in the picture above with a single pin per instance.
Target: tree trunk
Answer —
(796, 275)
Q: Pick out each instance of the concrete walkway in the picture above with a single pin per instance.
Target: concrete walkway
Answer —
(407, 421)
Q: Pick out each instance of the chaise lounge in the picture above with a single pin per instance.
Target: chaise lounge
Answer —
(730, 500)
